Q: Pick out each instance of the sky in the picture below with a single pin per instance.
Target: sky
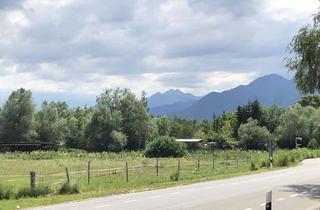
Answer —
(73, 49)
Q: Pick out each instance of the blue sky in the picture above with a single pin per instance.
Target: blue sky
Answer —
(77, 48)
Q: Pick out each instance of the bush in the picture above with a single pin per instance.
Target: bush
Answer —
(164, 146)
(66, 188)
(5, 194)
(34, 192)
(313, 144)
(252, 136)
(253, 166)
(282, 160)
(174, 176)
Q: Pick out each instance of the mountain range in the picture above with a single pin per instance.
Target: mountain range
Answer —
(270, 89)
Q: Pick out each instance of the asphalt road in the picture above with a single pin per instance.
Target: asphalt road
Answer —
(295, 188)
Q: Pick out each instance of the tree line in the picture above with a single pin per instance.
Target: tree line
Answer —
(120, 121)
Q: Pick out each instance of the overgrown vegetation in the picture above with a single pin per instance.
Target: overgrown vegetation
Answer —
(165, 146)
(35, 192)
(67, 188)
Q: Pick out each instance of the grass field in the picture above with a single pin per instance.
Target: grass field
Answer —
(108, 173)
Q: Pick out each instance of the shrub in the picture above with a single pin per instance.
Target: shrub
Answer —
(34, 192)
(66, 188)
(174, 177)
(263, 164)
(253, 166)
(282, 160)
(252, 136)
(5, 194)
(313, 144)
(164, 146)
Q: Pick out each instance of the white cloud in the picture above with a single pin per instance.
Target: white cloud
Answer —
(194, 45)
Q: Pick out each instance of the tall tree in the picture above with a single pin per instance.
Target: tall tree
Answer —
(305, 62)
(17, 117)
(51, 125)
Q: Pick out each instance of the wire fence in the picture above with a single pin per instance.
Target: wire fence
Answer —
(95, 174)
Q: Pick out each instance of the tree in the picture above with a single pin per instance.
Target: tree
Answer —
(163, 124)
(252, 136)
(75, 135)
(271, 117)
(251, 110)
(305, 62)
(164, 146)
(100, 127)
(17, 117)
(135, 121)
(310, 100)
(295, 122)
(129, 112)
(50, 124)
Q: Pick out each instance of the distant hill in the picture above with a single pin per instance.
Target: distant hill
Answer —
(170, 97)
(270, 89)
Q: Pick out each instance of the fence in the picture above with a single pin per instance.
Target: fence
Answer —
(95, 174)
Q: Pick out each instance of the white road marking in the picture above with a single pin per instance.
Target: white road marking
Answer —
(130, 201)
(262, 204)
(103, 206)
(294, 195)
(248, 209)
(193, 190)
(280, 199)
(314, 189)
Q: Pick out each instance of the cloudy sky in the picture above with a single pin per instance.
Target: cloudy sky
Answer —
(76, 48)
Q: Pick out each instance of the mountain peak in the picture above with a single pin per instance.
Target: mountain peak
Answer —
(170, 97)
(173, 91)
(269, 89)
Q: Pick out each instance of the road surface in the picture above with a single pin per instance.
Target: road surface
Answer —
(295, 188)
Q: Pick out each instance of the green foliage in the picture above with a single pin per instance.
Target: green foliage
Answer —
(313, 144)
(174, 176)
(310, 100)
(296, 122)
(119, 141)
(99, 129)
(164, 146)
(252, 136)
(282, 160)
(33, 192)
(304, 61)
(17, 117)
(50, 124)
(224, 127)
(251, 110)
(129, 115)
(253, 166)
(5, 193)
(271, 117)
(163, 124)
(67, 188)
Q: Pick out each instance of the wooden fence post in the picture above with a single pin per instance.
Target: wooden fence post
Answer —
(127, 172)
(157, 167)
(67, 174)
(226, 162)
(32, 179)
(89, 174)
(213, 162)
(198, 165)
(179, 166)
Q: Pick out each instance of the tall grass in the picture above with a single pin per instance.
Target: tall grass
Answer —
(108, 169)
